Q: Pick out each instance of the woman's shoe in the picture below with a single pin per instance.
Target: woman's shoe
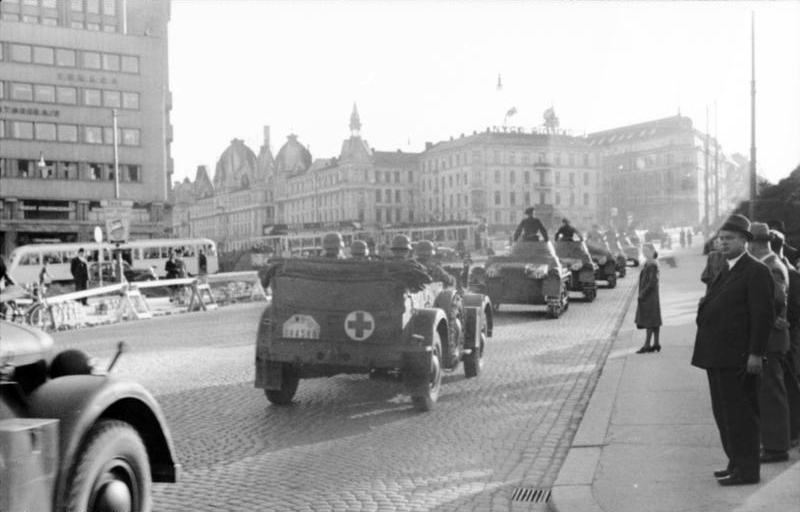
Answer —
(644, 350)
(656, 348)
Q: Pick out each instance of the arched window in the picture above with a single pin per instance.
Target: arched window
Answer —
(245, 181)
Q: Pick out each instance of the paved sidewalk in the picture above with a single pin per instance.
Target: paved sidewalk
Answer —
(647, 441)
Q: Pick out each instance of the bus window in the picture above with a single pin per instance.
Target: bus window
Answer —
(165, 252)
(211, 250)
(188, 251)
(151, 253)
(52, 258)
(136, 253)
(29, 259)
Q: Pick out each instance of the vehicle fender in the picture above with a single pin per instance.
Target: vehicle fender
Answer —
(416, 366)
(484, 304)
(445, 298)
(79, 401)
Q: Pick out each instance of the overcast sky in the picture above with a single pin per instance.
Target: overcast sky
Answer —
(425, 71)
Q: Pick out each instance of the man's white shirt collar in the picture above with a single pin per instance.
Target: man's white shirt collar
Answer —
(732, 262)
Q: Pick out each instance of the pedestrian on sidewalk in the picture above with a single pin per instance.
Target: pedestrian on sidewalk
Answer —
(734, 319)
(648, 308)
(689, 237)
(79, 269)
(773, 398)
(682, 238)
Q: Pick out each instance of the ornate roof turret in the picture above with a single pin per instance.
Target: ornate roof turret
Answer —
(293, 157)
(265, 160)
(355, 122)
(202, 183)
(236, 167)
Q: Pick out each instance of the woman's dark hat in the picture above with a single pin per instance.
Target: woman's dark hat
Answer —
(529, 210)
(737, 223)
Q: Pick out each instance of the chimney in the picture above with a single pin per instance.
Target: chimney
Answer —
(266, 136)
(428, 145)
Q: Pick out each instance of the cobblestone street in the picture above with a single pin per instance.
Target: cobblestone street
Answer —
(350, 443)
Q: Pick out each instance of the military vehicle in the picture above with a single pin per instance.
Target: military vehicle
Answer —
(73, 437)
(605, 261)
(531, 273)
(632, 249)
(331, 317)
(575, 256)
(615, 247)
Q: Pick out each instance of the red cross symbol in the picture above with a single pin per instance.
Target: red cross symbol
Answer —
(361, 322)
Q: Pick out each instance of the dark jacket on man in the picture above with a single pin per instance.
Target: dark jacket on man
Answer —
(735, 317)
(529, 228)
(567, 232)
(80, 272)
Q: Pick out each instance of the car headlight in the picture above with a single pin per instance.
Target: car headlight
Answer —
(576, 265)
(536, 271)
(602, 260)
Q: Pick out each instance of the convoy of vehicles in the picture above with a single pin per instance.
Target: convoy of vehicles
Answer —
(367, 317)
(606, 262)
(73, 437)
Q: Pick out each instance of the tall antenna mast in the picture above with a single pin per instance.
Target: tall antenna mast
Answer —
(753, 116)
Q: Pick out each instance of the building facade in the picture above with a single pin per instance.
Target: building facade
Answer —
(666, 173)
(67, 68)
(495, 175)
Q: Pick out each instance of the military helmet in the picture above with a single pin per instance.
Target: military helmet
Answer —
(425, 248)
(359, 248)
(332, 241)
(401, 242)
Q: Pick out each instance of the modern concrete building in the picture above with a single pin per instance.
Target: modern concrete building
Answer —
(65, 68)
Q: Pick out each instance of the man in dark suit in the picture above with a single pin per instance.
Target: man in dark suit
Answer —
(734, 319)
(80, 272)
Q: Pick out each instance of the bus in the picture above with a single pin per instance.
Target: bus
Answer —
(26, 261)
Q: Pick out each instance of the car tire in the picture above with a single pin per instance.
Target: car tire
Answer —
(612, 281)
(290, 380)
(589, 294)
(473, 363)
(427, 400)
(111, 472)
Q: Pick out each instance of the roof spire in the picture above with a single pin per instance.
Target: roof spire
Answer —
(355, 122)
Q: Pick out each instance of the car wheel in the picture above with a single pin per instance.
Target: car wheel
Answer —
(427, 400)
(612, 281)
(473, 363)
(290, 379)
(622, 271)
(112, 471)
(589, 293)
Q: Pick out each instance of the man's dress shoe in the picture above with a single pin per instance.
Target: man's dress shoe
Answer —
(769, 456)
(722, 473)
(736, 479)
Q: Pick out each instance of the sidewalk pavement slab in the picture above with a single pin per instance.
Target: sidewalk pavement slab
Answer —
(647, 441)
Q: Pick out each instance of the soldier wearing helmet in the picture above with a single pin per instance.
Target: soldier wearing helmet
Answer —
(530, 227)
(401, 248)
(359, 250)
(424, 255)
(332, 245)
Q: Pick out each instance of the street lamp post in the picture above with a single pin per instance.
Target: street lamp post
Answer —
(116, 153)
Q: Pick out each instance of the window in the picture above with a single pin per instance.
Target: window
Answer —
(45, 93)
(527, 198)
(378, 196)
(50, 4)
(497, 217)
(109, 7)
(586, 178)
(76, 5)
(43, 55)
(91, 60)
(65, 58)
(134, 172)
(586, 160)
(388, 196)
(130, 137)
(21, 53)
(30, 19)
(51, 22)
(22, 92)
(22, 130)
(558, 199)
(397, 195)
(111, 62)
(497, 176)
(67, 133)
(76, 24)
(112, 99)
(130, 64)
(571, 159)
(511, 157)
(571, 178)
(93, 6)
(497, 198)
(527, 178)
(93, 134)
(92, 26)
(542, 198)
(67, 95)
(378, 215)
(45, 131)
(10, 16)
(585, 199)
(572, 199)
(511, 177)
(109, 28)
(397, 176)
(512, 199)
(542, 179)
(92, 97)
(541, 157)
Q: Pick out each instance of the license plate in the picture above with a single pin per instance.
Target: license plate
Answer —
(301, 326)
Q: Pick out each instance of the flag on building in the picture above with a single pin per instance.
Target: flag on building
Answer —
(511, 111)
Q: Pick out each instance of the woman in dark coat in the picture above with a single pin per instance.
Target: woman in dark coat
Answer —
(648, 309)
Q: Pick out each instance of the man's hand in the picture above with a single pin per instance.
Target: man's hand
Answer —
(754, 364)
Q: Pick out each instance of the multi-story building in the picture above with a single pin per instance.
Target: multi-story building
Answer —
(665, 172)
(66, 69)
(494, 175)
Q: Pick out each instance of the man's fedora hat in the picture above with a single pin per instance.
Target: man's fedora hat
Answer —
(737, 223)
(529, 210)
(760, 231)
